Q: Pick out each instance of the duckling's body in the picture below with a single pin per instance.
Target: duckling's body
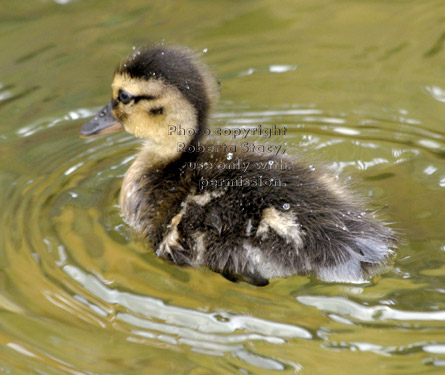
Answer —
(251, 224)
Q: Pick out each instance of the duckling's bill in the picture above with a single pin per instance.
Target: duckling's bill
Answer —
(104, 122)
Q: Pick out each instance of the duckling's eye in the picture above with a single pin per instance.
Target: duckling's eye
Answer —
(124, 97)
(157, 111)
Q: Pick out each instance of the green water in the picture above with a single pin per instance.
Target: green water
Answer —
(359, 85)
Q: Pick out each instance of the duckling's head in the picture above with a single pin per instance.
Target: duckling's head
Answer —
(155, 92)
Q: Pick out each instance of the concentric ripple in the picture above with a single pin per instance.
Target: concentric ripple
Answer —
(75, 273)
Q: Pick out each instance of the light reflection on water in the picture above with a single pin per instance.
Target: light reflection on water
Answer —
(81, 180)
(79, 294)
(343, 306)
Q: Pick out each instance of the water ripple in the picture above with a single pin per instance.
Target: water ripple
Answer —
(44, 124)
(437, 93)
(209, 333)
(219, 322)
(82, 259)
(343, 306)
(385, 127)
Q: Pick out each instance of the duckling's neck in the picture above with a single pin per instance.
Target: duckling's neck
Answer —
(159, 155)
(173, 153)
(156, 155)
(152, 164)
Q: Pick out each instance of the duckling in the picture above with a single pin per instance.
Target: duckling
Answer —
(250, 225)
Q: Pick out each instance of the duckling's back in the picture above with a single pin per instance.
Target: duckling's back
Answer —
(253, 218)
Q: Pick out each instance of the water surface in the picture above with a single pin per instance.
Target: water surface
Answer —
(360, 87)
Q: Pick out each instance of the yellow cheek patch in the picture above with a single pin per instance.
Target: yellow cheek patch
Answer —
(138, 119)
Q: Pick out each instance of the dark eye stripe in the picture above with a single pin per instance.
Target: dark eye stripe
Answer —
(157, 111)
(143, 97)
(125, 97)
